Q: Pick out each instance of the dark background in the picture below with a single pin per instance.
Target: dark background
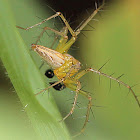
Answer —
(73, 10)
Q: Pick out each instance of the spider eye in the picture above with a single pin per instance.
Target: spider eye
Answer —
(59, 86)
(49, 73)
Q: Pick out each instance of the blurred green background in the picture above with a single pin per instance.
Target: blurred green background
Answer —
(116, 37)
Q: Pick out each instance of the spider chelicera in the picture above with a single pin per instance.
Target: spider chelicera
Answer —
(65, 66)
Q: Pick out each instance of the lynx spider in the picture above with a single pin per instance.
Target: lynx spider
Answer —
(65, 66)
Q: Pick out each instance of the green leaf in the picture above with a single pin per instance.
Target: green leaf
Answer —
(26, 79)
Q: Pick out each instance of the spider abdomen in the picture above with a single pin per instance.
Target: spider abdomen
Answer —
(52, 57)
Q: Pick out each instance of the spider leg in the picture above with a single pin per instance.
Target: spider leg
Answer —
(90, 17)
(75, 33)
(87, 95)
(53, 16)
(53, 30)
(78, 87)
(63, 48)
(118, 81)
(80, 74)
(60, 81)
(63, 33)
(62, 45)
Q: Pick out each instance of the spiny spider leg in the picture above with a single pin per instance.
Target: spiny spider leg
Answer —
(80, 74)
(88, 96)
(60, 81)
(90, 17)
(75, 101)
(119, 81)
(51, 17)
(55, 31)
(73, 33)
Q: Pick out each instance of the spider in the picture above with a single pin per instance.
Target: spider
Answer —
(65, 66)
